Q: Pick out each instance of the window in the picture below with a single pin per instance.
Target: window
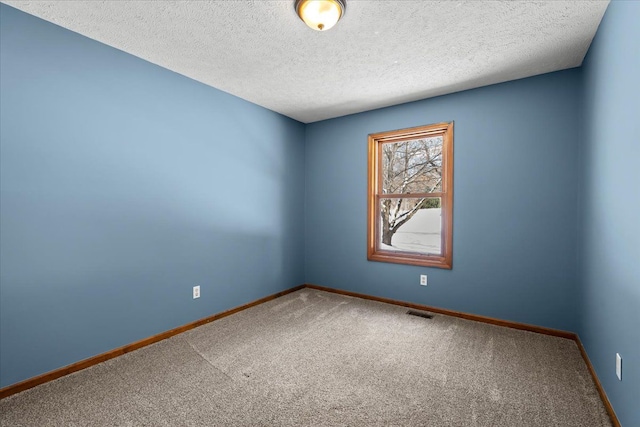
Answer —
(410, 199)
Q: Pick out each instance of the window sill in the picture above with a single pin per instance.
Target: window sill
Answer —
(411, 259)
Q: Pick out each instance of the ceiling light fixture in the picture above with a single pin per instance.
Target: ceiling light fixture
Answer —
(320, 15)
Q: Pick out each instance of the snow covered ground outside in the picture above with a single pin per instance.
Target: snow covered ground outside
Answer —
(420, 234)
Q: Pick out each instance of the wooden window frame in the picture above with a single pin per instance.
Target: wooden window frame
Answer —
(375, 194)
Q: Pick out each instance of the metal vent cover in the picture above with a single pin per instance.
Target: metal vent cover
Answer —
(420, 314)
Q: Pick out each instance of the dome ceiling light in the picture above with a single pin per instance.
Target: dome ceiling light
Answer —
(320, 15)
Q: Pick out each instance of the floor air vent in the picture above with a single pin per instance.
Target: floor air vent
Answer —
(420, 314)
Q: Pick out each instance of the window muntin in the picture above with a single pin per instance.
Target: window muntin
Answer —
(411, 196)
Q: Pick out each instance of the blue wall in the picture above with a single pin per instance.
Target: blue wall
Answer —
(122, 186)
(515, 202)
(610, 206)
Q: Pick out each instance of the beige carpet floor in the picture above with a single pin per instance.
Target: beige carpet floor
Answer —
(312, 358)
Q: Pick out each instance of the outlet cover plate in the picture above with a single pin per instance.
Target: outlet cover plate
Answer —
(619, 366)
(196, 292)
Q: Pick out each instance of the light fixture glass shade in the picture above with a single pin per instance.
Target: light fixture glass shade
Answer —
(320, 14)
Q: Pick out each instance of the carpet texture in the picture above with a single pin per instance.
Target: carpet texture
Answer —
(312, 358)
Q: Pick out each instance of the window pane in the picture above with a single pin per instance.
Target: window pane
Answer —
(412, 166)
(411, 225)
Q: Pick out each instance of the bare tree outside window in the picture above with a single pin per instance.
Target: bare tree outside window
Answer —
(409, 167)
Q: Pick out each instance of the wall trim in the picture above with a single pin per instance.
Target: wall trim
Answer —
(493, 321)
(596, 380)
(460, 314)
(86, 363)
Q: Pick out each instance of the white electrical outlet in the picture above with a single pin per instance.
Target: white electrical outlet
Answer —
(423, 279)
(619, 366)
(196, 292)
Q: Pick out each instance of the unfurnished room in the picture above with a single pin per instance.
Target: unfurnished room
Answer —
(320, 213)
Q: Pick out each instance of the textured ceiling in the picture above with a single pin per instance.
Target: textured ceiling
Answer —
(381, 53)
